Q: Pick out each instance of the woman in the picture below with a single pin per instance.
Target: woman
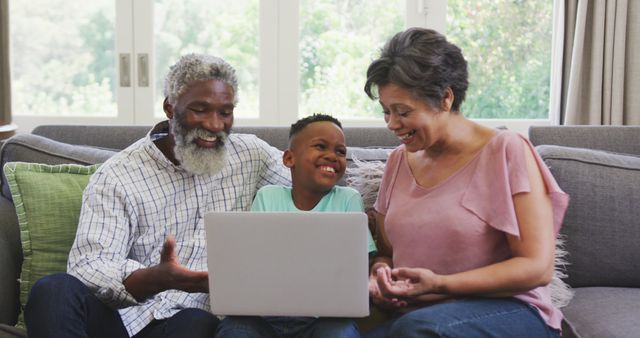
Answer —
(467, 215)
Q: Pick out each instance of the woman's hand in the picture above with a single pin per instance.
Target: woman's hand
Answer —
(403, 289)
(377, 296)
(408, 283)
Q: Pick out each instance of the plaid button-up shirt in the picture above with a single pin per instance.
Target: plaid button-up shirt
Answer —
(138, 197)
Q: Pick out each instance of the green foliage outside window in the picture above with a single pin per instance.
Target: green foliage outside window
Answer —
(338, 40)
(65, 65)
(507, 44)
(222, 28)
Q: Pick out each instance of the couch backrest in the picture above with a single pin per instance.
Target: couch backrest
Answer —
(57, 144)
(119, 137)
(111, 137)
(619, 139)
(602, 224)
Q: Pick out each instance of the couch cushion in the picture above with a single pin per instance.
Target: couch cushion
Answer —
(47, 200)
(365, 167)
(602, 312)
(601, 224)
(38, 149)
(365, 177)
(368, 154)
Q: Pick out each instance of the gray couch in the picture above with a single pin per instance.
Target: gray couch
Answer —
(602, 226)
(94, 144)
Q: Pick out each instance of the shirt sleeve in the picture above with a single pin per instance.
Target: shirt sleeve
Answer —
(103, 240)
(272, 171)
(503, 174)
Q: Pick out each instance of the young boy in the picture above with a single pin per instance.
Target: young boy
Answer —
(317, 158)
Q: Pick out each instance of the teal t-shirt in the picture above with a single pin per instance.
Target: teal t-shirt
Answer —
(278, 198)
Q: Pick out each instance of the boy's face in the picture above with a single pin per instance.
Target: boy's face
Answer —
(317, 156)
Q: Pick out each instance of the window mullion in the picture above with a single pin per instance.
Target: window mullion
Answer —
(288, 61)
(124, 51)
(268, 58)
(142, 60)
(427, 13)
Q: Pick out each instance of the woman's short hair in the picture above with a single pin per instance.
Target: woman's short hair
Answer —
(423, 61)
(198, 67)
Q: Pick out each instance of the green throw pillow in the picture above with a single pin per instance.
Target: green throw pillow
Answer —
(47, 200)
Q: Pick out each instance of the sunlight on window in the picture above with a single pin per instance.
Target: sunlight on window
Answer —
(61, 64)
(507, 44)
(228, 29)
(338, 40)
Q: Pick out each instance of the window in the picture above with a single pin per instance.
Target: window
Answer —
(338, 40)
(228, 29)
(63, 65)
(507, 44)
(106, 64)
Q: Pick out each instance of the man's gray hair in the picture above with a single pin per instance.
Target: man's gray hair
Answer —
(198, 67)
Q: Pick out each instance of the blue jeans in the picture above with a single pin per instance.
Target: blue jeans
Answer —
(281, 327)
(507, 317)
(60, 305)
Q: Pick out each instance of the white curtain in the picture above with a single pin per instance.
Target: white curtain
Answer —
(600, 75)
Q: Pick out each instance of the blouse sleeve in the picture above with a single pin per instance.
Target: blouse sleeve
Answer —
(501, 174)
(388, 179)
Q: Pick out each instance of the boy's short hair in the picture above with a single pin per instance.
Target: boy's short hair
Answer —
(305, 121)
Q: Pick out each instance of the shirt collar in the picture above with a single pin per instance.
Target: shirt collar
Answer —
(159, 131)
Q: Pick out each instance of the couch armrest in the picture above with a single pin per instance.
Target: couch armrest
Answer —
(10, 262)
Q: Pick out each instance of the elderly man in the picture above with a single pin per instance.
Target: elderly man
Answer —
(138, 263)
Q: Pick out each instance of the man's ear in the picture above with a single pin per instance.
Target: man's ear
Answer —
(168, 108)
(287, 158)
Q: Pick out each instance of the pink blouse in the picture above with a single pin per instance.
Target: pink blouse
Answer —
(460, 224)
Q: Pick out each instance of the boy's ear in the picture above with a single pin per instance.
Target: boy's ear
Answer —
(287, 158)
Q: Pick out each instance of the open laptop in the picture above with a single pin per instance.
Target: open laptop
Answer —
(287, 263)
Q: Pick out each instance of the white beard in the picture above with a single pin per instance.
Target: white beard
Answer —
(193, 158)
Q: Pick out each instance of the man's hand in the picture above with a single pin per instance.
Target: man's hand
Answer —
(166, 275)
(176, 276)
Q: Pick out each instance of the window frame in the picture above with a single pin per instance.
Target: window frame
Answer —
(278, 48)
